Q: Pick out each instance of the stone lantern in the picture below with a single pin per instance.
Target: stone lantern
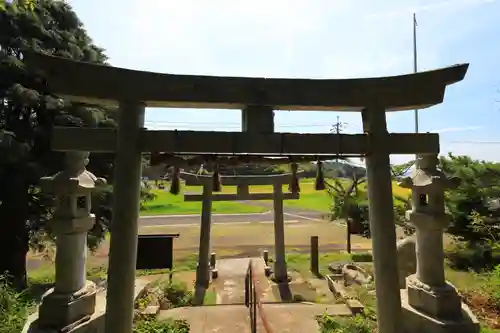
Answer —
(73, 297)
(430, 303)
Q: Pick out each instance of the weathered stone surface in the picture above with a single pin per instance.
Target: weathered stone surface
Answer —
(416, 321)
(215, 273)
(150, 312)
(60, 310)
(355, 306)
(429, 302)
(355, 275)
(407, 259)
(443, 302)
(330, 280)
(336, 267)
(339, 291)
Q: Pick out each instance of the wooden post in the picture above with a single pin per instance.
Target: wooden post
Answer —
(213, 259)
(202, 271)
(280, 269)
(314, 255)
(265, 256)
(242, 189)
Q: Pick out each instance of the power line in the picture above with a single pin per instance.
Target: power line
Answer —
(219, 124)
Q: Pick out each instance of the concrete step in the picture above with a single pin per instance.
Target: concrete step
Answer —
(282, 317)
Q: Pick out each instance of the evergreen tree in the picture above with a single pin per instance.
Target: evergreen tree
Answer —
(476, 199)
(27, 113)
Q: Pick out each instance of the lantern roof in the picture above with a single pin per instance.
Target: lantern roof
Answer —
(66, 182)
(428, 180)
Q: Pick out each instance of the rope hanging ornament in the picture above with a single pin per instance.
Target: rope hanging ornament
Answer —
(320, 177)
(216, 182)
(175, 185)
(294, 186)
(191, 161)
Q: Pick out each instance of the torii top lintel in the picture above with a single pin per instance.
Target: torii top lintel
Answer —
(100, 84)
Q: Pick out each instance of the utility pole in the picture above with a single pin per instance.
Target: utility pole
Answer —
(338, 126)
(415, 61)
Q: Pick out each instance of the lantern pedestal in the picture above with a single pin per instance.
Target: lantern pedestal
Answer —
(429, 302)
(437, 310)
(72, 300)
(59, 310)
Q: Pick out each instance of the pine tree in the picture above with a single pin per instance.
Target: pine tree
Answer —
(27, 113)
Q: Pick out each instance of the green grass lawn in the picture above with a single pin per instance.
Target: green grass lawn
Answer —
(318, 201)
(168, 204)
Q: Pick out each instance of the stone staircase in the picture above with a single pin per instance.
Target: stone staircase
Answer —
(282, 317)
(230, 315)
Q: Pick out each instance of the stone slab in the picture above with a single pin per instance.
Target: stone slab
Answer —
(95, 324)
(230, 283)
(282, 318)
(355, 306)
(417, 322)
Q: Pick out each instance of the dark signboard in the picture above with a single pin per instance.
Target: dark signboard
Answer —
(155, 251)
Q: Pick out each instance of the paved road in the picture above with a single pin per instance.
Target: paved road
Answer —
(290, 216)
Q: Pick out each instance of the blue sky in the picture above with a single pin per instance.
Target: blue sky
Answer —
(314, 39)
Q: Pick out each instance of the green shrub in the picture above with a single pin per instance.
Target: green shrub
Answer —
(494, 287)
(477, 257)
(362, 257)
(14, 309)
(177, 294)
(357, 324)
(161, 326)
(170, 294)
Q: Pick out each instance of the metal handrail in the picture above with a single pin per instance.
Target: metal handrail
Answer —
(253, 301)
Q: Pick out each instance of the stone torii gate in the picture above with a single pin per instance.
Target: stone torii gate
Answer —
(133, 91)
(242, 184)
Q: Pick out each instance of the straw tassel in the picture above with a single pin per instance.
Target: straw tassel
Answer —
(216, 183)
(320, 177)
(175, 185)
(294, 182)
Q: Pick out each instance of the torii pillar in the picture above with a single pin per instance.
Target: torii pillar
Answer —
(382, 227)
(124, 226)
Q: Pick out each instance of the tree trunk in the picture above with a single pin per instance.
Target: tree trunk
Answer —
(13, 230)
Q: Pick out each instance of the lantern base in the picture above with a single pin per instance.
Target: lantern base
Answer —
(437, 310)
(60, 310)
